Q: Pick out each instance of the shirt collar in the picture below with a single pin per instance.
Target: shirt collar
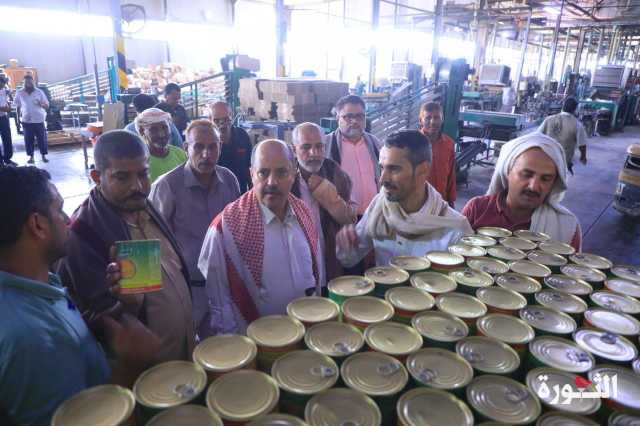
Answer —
(53, 290)
(190, 179)
(268, 216)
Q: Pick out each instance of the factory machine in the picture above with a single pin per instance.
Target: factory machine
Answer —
(485, 92)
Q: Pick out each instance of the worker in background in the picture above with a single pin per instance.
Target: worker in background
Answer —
(153, 126)
(235, 148)
(33, 106)
(326, 189)
(443, 150)
(172, 105)
(408, 217)
(568, 131)
(508, 98)
(189, 198)
(143, 102)
(5, 125)
(529, 181)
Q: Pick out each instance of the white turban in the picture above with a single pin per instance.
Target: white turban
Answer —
(151, 116)
(551, 217)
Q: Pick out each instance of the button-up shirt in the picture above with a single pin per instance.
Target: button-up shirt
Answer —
(47, 353)
(28, 103)
(314, 209)
(443, 168)
(358, 164)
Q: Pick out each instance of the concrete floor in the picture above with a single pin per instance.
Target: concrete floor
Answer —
(606, 231)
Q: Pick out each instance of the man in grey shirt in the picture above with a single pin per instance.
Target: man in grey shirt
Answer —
(568, 131)
(189, 197)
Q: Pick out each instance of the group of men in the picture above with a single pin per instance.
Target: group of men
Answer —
(240, 238)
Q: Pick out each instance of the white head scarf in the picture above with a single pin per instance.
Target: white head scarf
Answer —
(151, 116)
(551, 217)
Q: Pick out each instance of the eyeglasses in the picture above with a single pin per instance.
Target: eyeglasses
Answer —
(352, 117)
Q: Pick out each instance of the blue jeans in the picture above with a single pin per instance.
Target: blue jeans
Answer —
(5, 134)
(33, 131)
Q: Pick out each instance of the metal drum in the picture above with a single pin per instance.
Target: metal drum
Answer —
(313, 310)
(546, 384)
(559, 353)
(342, 288)
(105, 405)
(408, 301)
(606, 347)
(507, 329)
(386, 277)
(501, 300)
(394, 339)
(186, 415)
(546, 321)
(501, 399)
(489, 356)
(440, 329)
(470, 280)
(222, 354)
(440, 369)
(351, 407)
(366, 310)
(335, 339)
(416, 408)
(433, 283)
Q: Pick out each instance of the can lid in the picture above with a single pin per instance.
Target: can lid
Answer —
(616, 302)
(440, 369)
(547, 319)
(313, 309)
(387, 275)
(501, 298)
(605, 345)
(367, 309)
(488, 265)
(170, 384)
(433, 282)
(543, 380)
(444, 258)
(305, 372)
(563, 302)
(529, 268)
(502, 399)
(547, 259)
(278, 419)
(440, 326)
(393, 338)
(557, 418)
(583, 273)
(472, 278)
(591, 260)
(415, 408)
(506, 253)
(409, 299)
(488, 355)
(562, 354)
(506, 328)
(185, 415)
(627, 393)
(556, 247)
(621, 286)
(461, 305)
(518, 243)
(623, 419)
(243, 395)
(99, 405)
(410, 263)
(351, 285)
(518, 283)
(478, 240)
(613, 322)
(534, 236)
(224, 353)
(467, 250)
(275, 331)
(569, 285)
(493, 231)
(351, 407)
(627, 272)
(374, 374)
(336, 339)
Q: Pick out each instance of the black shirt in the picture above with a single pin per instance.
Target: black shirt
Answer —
(178, 115)
(235, 155)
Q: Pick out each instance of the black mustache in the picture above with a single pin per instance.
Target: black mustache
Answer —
(273, 191)
(531, 193)
(137, 195)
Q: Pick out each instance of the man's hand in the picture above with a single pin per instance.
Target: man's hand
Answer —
(313, 182)
(347, 238)
(114, 275)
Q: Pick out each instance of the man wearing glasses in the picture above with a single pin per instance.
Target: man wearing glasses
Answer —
(235, 152)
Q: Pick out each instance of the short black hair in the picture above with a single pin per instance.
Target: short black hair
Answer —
(143, 102)
(418, 145)
(118, 144)
(569, 105)
(28, 77)
(170, 88)
(349, 99)
(24, 191)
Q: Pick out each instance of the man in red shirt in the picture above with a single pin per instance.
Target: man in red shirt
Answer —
(443, 166)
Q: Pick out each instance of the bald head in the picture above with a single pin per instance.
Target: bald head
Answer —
(272, 174)
(271, 149)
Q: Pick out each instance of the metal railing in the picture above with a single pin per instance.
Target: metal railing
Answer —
(198, 94)
(80, 89)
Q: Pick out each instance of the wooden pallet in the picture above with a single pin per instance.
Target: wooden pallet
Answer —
(60, 137)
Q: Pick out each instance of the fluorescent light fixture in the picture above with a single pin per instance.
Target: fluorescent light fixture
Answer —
(41, 21)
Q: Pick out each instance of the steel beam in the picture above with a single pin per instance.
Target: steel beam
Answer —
(523, 51)
(375, 20)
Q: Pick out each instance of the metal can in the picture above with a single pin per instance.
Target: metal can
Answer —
(518, 243)
(494, 232)
(636, 365)
(392, 338)
(168, 385)
(335, 339)
(591, 260)
(440, 369)
(519, 283)
(349, 406)
(506, 254)
(378, 376)
(242, 396)
(440, 329)
(108, 405)
(488, 265)
(467, 251)
(225, 353)
(559, 353)
(186, 415)
(547, 321)
(501, 399)
(507, 329)
(530, 269)
(478, 240)
(444, 262)
(410, 264)
(501, 300)
(489, 356)
(469, 280)
(363, 311)
(433, 282)
(556, 247)
(624, 385)
(563, 302)
(616, 302)
(550, 260)
(342, 288)
(536, 237)
(386, 277)
(625, 287)
(300, 375)
(418, 408)
(612, 322)
(275, 336)
(463, 306)
(543, 381)
(605, 347)
(313, 310)
(278, 419)
(594, 277)
(557, 418)
(408, 301)
(569, 285)
(622, 419)
(626, 272)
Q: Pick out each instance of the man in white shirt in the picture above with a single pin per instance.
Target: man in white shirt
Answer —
(408, 217)
(5, 127)
(261, 252)
(508, 98)
(33, 106)
(568, 131)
